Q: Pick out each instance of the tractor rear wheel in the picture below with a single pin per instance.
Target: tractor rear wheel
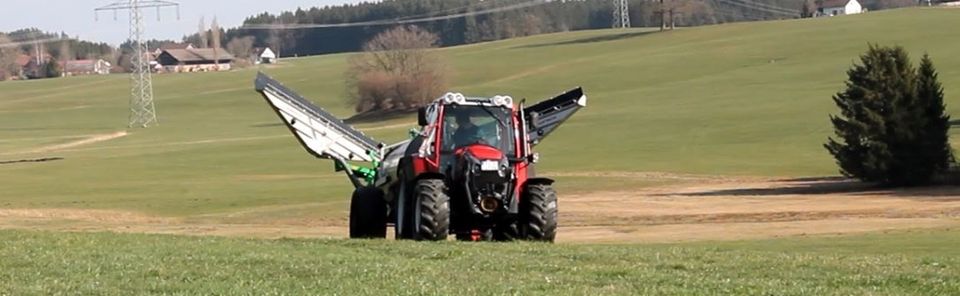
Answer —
(540, 210)
(432, 214)
(368, 213)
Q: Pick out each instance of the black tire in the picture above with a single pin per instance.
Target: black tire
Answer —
(432, 214)
(404, 229)
(540, 213)
(506, 232)
(368, 213)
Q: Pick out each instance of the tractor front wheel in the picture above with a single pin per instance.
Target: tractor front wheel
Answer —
(539, 211)
(432, 214)
(368, 214)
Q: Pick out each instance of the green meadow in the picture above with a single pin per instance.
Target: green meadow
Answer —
(745, 99)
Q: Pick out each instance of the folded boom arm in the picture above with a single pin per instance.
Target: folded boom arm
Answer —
(319, 132)
(546, 116)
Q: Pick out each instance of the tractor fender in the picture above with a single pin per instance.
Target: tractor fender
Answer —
(430, 175)
(539, 181)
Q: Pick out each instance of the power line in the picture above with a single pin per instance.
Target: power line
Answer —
(142, 110)
(757, 8)
(766, 6)
(770, 6)
(35, 41)
(445, 11)
(397, 21)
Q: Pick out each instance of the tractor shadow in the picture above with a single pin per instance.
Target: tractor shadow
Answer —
(604, 38)
(836, 187)
(797, 186)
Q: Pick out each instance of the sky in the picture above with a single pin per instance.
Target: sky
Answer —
(76, 17)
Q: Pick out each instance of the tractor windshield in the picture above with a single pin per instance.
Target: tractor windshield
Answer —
(488, 125)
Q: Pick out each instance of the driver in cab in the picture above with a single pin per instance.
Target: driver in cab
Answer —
(467, 132)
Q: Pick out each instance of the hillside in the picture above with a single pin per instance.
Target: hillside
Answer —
(740, 99)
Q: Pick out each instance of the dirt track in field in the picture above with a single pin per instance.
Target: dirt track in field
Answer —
(729, 208)
(698, 208)
(86, 140)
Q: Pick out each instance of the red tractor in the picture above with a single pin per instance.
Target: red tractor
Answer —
(468, 170)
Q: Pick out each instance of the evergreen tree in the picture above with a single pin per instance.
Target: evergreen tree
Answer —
(885, 121)
(936, 142)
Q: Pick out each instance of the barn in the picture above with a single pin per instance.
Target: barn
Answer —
(86, 67)
(195, 60)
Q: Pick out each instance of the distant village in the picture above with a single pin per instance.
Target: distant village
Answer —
(167, 58)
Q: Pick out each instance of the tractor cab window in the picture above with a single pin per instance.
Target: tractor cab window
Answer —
(487, 125)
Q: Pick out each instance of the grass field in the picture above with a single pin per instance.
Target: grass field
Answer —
(736, 99)
(900, 263)
(739, 100)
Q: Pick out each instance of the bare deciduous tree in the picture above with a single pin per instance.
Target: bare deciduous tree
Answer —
(65, 53)
(530, 25)
(215, 41)
(8, 58)
(202, 33)
(242, 49)
(396, 71)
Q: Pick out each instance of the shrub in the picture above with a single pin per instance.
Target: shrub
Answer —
(397, 71)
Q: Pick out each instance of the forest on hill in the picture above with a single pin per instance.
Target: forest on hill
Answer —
(488, 20)
(480, 24)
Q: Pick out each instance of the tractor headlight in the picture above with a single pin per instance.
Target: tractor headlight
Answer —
(454, 98)
(505, 101)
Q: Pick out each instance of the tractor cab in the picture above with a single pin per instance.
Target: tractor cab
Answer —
(480, 129)
(483, 125)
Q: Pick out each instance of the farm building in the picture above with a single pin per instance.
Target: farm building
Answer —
(22, 62)
(265, 56)
(169, 46)
(195, 60)
(86, 67)
(839, 7)
(33, 67)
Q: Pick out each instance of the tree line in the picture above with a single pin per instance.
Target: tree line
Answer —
(553, 16)
(55, 47)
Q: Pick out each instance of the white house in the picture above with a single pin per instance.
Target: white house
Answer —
(839, 7)
(951, 4)
(266, 56)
